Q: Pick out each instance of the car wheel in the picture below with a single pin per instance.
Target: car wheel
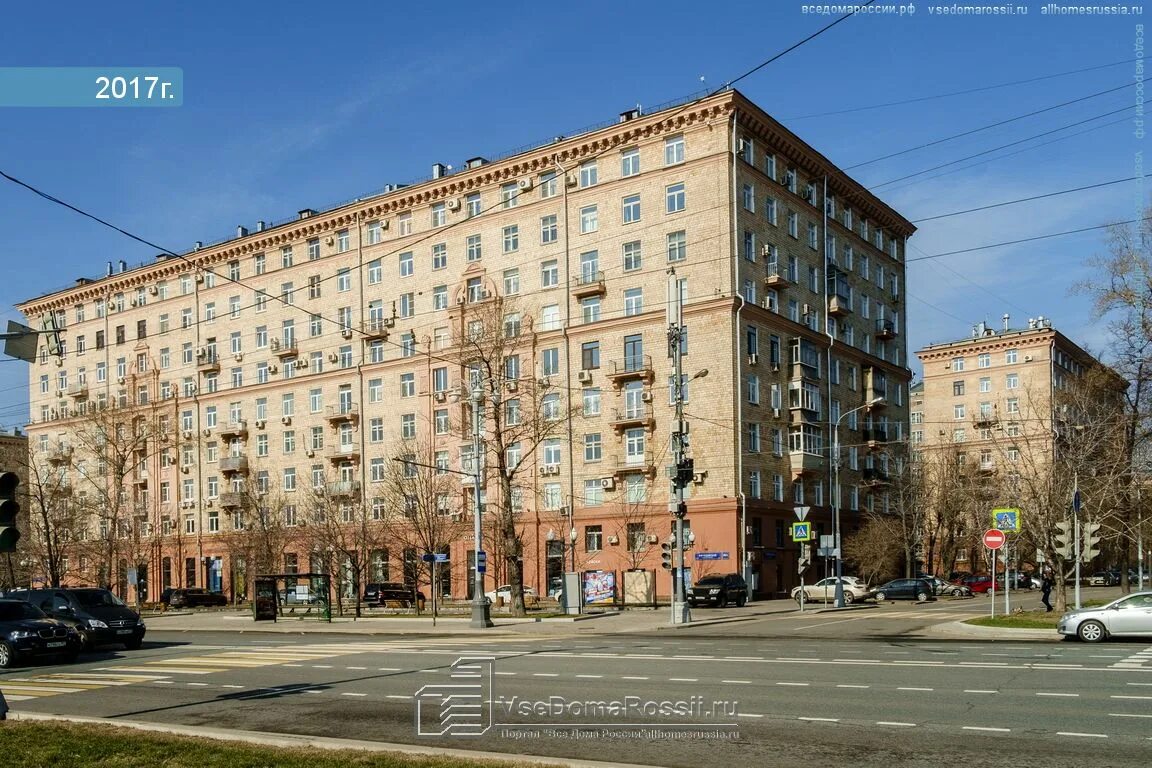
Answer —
(723, 601)
(85, 641)
(134, 644)
(848, 598)
(880, 595)
(741, 599)
(922, 596)
(71, 656)
(1091, 632)
(957, 592)
(7, 655)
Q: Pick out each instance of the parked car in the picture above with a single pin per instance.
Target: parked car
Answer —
(905, 589)
(978, 583)
(504, 592)
(718, 591)
(1105, 579)
(1130, 615)
(195, 597)
(941, 587)
(25, 630)
(98, 615)
(382, 593)
(299, 595)
(825, 590)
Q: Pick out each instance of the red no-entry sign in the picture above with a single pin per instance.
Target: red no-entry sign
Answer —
(994, 539)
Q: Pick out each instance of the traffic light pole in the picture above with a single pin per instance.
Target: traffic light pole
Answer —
(680, 612)
(1076, 532)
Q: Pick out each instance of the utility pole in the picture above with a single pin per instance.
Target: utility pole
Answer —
(682, 474)
(481, 616)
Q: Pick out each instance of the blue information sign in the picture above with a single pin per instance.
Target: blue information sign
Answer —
(711, 555)
(481, 562)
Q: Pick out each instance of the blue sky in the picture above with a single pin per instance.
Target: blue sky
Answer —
(290, 105)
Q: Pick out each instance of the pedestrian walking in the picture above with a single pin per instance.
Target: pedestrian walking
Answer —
(1046, 591)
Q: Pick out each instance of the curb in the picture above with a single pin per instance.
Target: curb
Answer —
(290, 741)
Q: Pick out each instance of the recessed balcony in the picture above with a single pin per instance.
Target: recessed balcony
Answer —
(885, 329)
(777, 276)
(234, 430)
(232, 499)
(230, 465)
(339, 414)
(875, 438)
(283, 348)
(342, 489)
(208, 363)
(78, 390)
(839, 306)
(344, 454)
(627, 418)
(376, 328)
(630, 464)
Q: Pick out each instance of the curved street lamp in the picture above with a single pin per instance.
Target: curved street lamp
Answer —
(836, 496)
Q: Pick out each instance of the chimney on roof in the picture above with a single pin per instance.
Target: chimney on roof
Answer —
(630, 114)
(123, 266)
(439, 170)
(475, 162)
(241, 231)
(306, 213)
(109, 269)
(199, 244)
(260, 226)
(1006, 326)
(1031, 323)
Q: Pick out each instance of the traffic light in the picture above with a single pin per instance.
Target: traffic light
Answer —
(1064, 539)
(1090, 547)
(9, 508)
(684, 472)
(666, 555)
(805, 558)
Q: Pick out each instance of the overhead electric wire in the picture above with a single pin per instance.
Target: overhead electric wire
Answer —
(1026, 240)
(964, 92)
(1025, 199)
(989, 126)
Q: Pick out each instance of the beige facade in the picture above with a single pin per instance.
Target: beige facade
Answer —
(303, 354)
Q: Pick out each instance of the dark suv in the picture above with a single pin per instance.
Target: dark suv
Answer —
(719, 591)
(98, 615)
(194, 597)
(26, 631)
(905, 589)
(382, 593)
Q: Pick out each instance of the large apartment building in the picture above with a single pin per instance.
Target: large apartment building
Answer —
(299, 358)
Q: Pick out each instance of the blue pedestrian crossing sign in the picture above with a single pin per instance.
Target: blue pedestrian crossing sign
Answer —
(1006, 519)
(802, 531)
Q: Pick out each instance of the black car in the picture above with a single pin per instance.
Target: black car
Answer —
(905, 589)
(99, 616)
(194, 597)
(382, 593)
(719, 591)
(25, 630)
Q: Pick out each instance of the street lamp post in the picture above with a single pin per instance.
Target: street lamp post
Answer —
(836, 496)
(481, 615)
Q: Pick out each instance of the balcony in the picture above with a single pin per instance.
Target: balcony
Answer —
(638, 463)
(588, 284)
(625, 418)
(140, 478)
(885, 329)
(208, 363)
(632, 367)
(234, 430)
(78, 390)
(875, 386)
(806, 464)
(232, 499)
(63, 488)
(344, 454)
(873, 478)
(376, 328)
(59, 454)
(875, 438)
(338, 414)
(283, 348)
(342, 489)
(800, 415)
(777, 276)
(230, 465)
(984, 419)
(839, 306)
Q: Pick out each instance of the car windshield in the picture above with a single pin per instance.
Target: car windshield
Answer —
(709, 580)
(95, 598)
(15, 611)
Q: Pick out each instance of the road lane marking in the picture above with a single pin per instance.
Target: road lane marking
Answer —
(896, 724)
(397, 696)
(748, 714)
(796, 658)
(847, 685)
(590, 677)
(545, 674)
(231, 686)
(632, 677)
(1069, 695)
(798, 685)
(1124, 714)
(389, 669)
(355, 667)
(1142, 698)
(986, 728)
(1139, 683)
(293, 665)
(915, 689)
(820, 719)
(1057, 666)
(321, 666)
(197, 685)
(977, 690)
(683, 679)
(737, 682)
(169, 670)
(353, 694)
(164, 682)
(1087, 735)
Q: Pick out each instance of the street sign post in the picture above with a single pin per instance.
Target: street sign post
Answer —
(1006, 519)
(994, 538)
(801, 512)
(801, 531)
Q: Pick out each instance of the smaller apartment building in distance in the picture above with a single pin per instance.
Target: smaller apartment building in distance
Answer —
(203, 407)
(994, 415)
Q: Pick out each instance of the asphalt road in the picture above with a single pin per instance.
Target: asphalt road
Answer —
(858, 688)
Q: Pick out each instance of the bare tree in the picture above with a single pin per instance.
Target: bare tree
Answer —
(55, 522)
(516, 380)
(875, 549)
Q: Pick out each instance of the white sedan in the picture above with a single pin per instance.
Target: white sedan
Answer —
(504, 592)
(1131, 615)
(825, 590)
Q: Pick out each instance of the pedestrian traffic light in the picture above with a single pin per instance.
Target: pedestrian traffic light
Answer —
(1090, 547)
(805, 558)
(1063, 539)
(9, 508)
(684, 472)
(666, 555)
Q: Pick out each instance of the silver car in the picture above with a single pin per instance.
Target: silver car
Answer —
(1129, 616)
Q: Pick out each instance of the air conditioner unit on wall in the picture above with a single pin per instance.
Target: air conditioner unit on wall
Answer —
(613, 539)
(454, 204)
(607, 483)
(584, 376)
(154, 290)
(286, 420)
(524, 184)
